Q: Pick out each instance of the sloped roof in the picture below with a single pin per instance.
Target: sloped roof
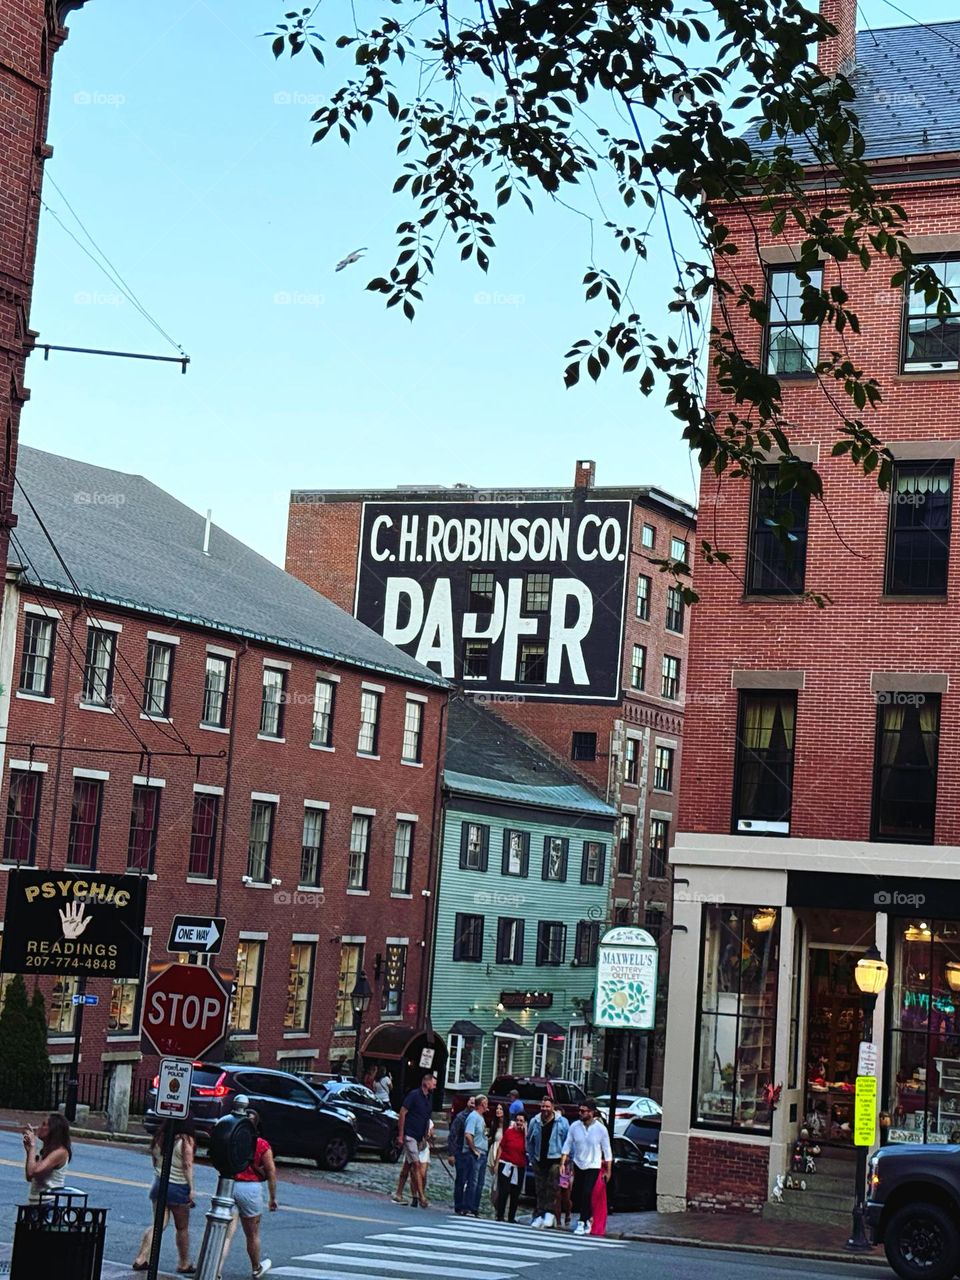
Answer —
(129, 543)
(907, 84)
(489, 758)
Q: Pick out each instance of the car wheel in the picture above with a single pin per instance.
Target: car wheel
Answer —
(921, 1240)
(335, 1155)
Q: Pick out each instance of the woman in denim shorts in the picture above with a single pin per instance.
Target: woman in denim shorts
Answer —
(179, 1193)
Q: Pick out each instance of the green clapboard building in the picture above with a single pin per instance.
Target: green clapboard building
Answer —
(521, 903)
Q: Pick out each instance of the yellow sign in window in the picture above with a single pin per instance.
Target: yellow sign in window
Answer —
(865, 1112)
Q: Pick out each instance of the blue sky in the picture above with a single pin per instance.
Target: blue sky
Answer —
(185, 150)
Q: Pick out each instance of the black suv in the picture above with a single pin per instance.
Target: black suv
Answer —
(295, 1120)
(913, 1209)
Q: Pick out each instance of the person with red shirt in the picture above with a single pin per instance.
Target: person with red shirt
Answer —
(248, 1198)
(512, 1163)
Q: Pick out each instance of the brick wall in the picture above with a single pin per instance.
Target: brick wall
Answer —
(726, 1177)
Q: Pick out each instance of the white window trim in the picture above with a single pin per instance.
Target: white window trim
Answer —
(100, 624)
(317, 746)
(214, 728)
(149, 782)
(156, 719)
(33, 697)
(305, 937)
(358, 893)
(96, 775)
(277, 664)
(371, 813)
(407, 817)
(397, 942)
(42, 611)
(201, 788)
(30, 766)
(365, 755)
(283, 1054)
(353, 938)
(672, 743)
(412, 764)
(265, 795)
(199, 880)
(663, 814)
(373, 688)
(316, 804)
(96, 706)
(270, 737)
(162, 638)
(328, 675)
(417, 697)
(250, 935)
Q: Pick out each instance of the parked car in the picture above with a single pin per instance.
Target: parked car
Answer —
(913, 1209)
(296, 1121)
(377, 1122)
(630, 1106)
(566, 1095)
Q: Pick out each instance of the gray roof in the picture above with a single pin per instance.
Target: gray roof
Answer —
(491, 759)
(907, 84)
(130, 544)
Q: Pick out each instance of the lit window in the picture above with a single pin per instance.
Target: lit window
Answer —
(299, 987)
(394, 973)
(245, 1004)
(351, 961)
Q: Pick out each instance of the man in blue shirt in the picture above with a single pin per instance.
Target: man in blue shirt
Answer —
(477, 1142)
(459, 1153)
(412, 1129)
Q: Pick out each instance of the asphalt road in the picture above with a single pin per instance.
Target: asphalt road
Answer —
(322, 1234)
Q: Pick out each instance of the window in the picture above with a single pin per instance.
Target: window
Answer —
(203, 835)
(674, 609)
(216, 686)
(126, 998)
(648, 536)
(555, 857)
(402, 856)
(551, 942)
(631, 760)
(625, 845)
(653, 922)
(157, 680)
(516, 853)
(245, 1004)
(359, 851)
(670, 678)
(84, 832)
(144, 817)
(36, 665)
(509, 940)
(351, 962)
(659, 848)
(532, 664)
(587, 941)
(323, 696)
(272, 699)
(763, 787)
(776, 568)
(23, 817)
(474, 846)
(261, 840)
(476, 659)
(311, 846)
(583, 746)
(61, 1011)
(468, 938)
(793, 348)
(592, 862)
(663, 769)
(98, 667)
(412, 731)
(621, 912)
(679, 550)
(905, 766)
(638, 662)
(548, 1055)
(643, 597)
(536, 593)
(481, 593)
(369, 723)
(738, 1001)
(918, 542)
(932, 342)
(394, 973)
(463, 1064)
(299, 987)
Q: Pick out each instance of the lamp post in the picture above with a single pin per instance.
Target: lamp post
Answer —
(871, 978)
(360, 999)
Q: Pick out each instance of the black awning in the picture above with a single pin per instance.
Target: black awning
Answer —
(510, 1028)
(550, 1029)
(394, 1040)
(466, 1028)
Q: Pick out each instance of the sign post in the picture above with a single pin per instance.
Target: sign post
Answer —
(626, 994)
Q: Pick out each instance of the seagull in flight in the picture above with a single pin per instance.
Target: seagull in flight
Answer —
(351, 258)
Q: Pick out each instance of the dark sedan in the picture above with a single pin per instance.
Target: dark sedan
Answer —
(377, 1123)
(294, 1118)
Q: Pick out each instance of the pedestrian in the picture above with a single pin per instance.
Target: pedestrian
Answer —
(248, 1199)
(370, 1078)
(477, 1143)
(512, 1163)
(44, 1171)
(493, 1153)
(546, 1134)
(383, 1086)
(179, 1193)
(587, 1147)
(459, 1155)
(412, 1130)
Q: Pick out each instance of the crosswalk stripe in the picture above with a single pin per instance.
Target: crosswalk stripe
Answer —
(341, 1260)
(485, 1229)
(436, 1253)
(426, 1235)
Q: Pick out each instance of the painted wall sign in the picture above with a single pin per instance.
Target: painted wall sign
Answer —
(82, 924)
(626, 997)
(464, 587)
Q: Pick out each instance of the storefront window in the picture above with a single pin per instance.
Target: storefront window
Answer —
(924, 1100)
(738, 1002)
(833, 1035)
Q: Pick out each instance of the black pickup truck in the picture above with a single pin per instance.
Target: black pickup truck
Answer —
(913, 1209)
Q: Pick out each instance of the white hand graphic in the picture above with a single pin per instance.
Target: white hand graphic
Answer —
(73, 920)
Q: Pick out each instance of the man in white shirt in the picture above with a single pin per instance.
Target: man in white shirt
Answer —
(588, 1145)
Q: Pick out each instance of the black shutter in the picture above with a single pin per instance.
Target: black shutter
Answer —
(583, 863)
(505, 852)
(502, 925)
(541, 941)
(525, 856)
(602, 865)
(517, 957)
(484, 848)
(464, 841)
(546, 857)
(457, 936)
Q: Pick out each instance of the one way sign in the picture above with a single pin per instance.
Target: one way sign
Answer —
(194, 934)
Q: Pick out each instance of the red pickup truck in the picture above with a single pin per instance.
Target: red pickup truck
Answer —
(566, 1095)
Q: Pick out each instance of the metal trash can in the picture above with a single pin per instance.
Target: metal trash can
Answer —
(58, 1237)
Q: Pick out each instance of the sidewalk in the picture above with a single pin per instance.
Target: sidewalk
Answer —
(95, 1126)
(745, 1232)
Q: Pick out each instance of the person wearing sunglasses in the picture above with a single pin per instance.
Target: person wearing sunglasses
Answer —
(587, 1147)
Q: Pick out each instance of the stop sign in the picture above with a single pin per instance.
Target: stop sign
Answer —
(186, 1010)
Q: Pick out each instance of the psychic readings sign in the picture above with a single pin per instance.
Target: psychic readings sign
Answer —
(626, 996)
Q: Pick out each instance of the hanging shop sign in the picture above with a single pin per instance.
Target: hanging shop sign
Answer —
(511, 597)
(84, 925)
(626, 996)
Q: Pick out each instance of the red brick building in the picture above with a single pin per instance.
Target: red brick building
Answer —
(565, 627)
(818, 811)
(174, 705)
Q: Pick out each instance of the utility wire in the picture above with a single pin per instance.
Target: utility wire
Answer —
(926, 25)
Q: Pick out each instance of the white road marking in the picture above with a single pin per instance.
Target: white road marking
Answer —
(425, 1235)
(436, 1253)
(342, 1260)
(487, 1230)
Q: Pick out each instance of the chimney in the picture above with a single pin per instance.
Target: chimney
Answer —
(838, 53)
(206, 534)
(583, 476)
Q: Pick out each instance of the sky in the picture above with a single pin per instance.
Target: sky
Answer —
(182, 150)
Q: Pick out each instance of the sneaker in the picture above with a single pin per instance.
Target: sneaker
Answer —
(580, 1229)
(549, 1221)
(263, 1268)
(537, 1224)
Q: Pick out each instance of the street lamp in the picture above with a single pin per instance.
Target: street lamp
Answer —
(360, 999)
(871, 977)
(952, 972)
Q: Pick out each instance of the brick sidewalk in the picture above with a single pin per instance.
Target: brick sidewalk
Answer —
(739, 1231)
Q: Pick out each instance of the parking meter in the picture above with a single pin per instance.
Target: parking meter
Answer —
(233, 1141)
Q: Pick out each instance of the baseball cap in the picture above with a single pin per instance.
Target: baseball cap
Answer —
(516, 1106)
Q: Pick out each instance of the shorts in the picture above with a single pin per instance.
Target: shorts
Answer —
(248, 1197)
(412, 1148)
(178, 1193)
